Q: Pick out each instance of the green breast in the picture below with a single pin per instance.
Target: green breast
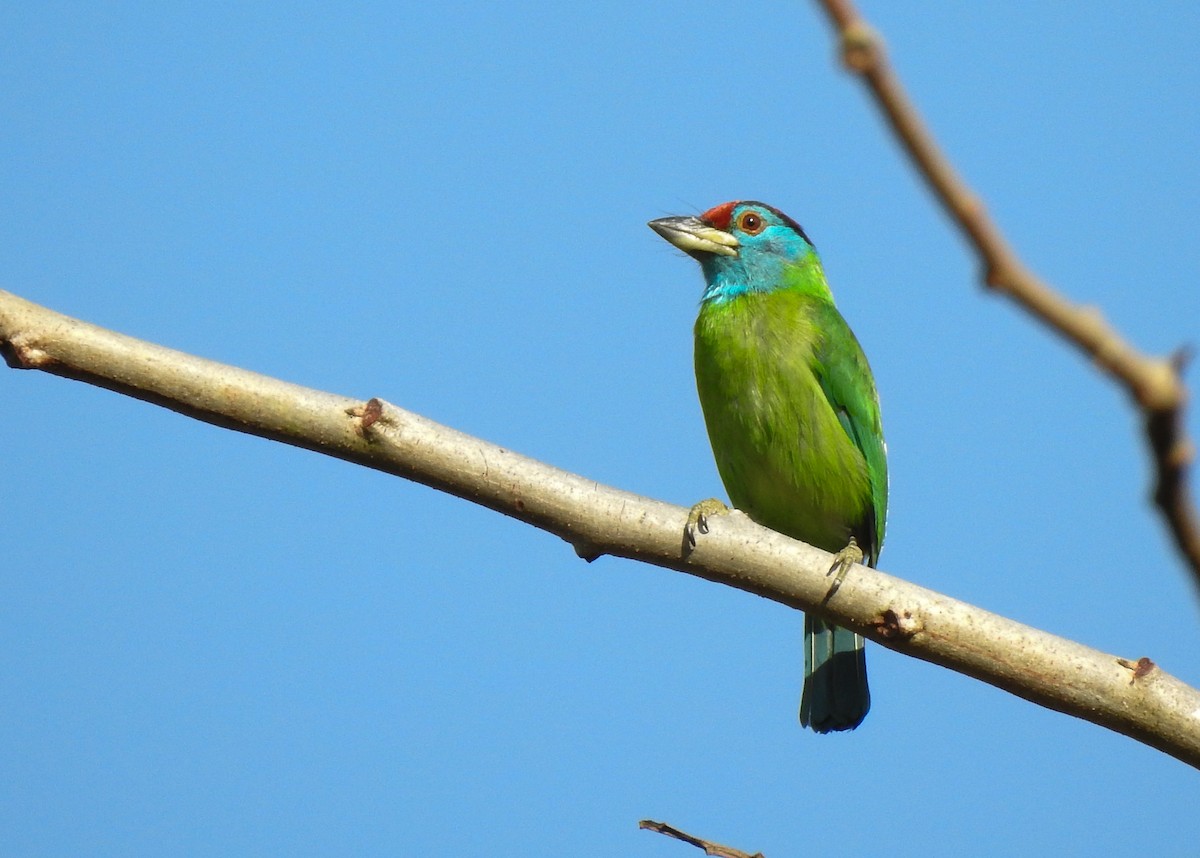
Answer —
(784, 456)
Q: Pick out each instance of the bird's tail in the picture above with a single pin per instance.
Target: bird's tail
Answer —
(835, 694)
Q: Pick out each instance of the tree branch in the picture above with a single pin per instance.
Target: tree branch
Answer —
(1155, 384)
(1132, 697)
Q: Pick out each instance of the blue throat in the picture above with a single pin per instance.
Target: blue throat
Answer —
(753, 270)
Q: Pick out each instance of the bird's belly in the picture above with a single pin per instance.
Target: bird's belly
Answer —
(794, 470)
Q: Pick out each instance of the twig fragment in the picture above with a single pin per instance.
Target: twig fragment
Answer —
(708, 846)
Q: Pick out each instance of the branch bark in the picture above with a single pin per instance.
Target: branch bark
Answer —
(1128, 696)
(1154, 384)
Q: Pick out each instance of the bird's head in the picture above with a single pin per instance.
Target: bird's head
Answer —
(742, 247)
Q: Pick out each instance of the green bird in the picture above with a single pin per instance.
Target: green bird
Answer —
(792, 416)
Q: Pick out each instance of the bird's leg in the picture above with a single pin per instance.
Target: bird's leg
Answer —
(842, 561)
(697, 520)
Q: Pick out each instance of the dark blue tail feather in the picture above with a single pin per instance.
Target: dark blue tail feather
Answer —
(835, 695)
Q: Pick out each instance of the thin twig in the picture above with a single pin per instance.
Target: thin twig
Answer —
(1155, 384)
(708, 846)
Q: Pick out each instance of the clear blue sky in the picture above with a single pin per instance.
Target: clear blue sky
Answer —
(212, 644)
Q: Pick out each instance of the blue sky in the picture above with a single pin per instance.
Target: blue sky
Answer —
(211, 644)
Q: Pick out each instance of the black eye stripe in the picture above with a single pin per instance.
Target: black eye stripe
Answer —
(783, 219)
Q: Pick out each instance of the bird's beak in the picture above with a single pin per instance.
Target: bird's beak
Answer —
(693, 236)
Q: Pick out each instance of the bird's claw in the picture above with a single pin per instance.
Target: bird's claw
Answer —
(697, 520)
(842, 561)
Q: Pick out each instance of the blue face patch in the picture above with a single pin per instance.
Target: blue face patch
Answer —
(762, 255)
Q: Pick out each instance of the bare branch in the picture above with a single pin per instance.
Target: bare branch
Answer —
(1130, 696)
(1155, 384)
(708, 846)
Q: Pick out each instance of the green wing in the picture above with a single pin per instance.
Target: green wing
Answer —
(845, 378)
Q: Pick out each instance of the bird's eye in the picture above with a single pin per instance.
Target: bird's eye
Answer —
(750, 223)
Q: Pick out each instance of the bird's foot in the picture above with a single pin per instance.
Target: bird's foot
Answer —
(842, 561)
(697, 520)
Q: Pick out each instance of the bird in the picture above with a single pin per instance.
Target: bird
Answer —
(793, 417)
